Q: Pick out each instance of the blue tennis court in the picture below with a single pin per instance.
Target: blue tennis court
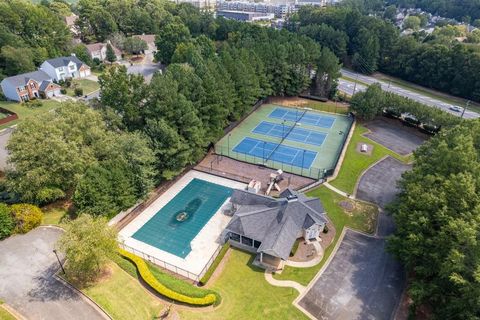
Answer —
(294, 134)
(285, 154)
(312, 119)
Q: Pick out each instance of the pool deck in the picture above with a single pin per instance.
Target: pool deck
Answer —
(203, 245)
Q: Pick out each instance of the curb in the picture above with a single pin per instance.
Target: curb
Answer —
(12, 311)
(86, 298)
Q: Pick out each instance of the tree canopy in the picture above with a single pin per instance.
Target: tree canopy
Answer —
(88, 244)
(438, 223)
(369, 43)
(51, 153)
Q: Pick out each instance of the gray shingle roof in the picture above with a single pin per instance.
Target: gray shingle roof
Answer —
(22, 79)
(64, 61)
(276, 223)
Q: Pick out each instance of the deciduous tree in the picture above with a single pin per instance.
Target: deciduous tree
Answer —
(88, 244)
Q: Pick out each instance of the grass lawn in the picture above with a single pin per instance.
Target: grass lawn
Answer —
(246, 294)
(444, 97)
(355, 163)
(362, 218)
(123, 297)
(53, 216)
(88, 86)
(5, 315)
(329, 106)
(24, 112)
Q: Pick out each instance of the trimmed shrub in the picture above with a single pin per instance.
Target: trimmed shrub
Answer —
(78, 92)
(215, 264)
(27, 217)
(168, 280)
(150, 279)
(63, 91)
(7, 223)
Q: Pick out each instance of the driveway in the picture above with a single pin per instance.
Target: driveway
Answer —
(27, 265)
(4, 137)
(361, 282)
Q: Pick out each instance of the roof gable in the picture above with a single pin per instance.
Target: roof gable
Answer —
(274, 222)
(22, 79)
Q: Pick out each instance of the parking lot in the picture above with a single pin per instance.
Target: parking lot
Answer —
(361, 282)
(395, 136)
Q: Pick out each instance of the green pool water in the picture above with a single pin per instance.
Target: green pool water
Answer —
(174, 226)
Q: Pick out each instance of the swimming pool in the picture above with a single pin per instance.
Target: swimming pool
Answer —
(175, 225)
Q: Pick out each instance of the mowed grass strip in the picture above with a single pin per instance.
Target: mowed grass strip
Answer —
(4, 314)
(362, 218)
(355, 163)
(123, 297)
(246, 294)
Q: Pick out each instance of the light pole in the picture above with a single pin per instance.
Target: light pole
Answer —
(59, 262)
(228, 144)
(263, 153)
(283, 129)
(303, 158)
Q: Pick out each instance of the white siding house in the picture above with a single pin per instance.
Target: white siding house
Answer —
(65, 67)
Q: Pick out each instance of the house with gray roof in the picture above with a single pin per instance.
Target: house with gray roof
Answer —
(270, 226)
(30, 85)
(65, 67)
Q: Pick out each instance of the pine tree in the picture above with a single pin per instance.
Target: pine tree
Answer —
(111, 57)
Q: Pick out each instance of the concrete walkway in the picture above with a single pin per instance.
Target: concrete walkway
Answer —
(284, 283)
(340, 192)
(310, 263)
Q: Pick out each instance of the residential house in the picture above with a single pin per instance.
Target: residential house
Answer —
(99, 51)
(65, 67)
(270, 226)
(31, 85)
(150, 40)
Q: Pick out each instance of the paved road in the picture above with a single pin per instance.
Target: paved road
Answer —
(4, 137)
(349, 86)
(27, 265)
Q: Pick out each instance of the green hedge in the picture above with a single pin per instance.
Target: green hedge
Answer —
(215, 264)
(145, 272)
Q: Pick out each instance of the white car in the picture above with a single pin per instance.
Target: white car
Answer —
(455, 108)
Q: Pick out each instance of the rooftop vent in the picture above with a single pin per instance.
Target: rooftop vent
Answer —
(292, 197)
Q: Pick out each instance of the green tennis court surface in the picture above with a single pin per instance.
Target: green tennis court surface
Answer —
(296, 140)
(175, 225)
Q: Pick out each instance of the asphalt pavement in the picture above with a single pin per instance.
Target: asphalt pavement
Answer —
(4, 137)
(349, 87)
(27, 266)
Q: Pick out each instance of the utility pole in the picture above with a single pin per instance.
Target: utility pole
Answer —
(355, 86)
(465, 108)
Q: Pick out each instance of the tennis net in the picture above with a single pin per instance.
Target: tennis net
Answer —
(286, 135)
